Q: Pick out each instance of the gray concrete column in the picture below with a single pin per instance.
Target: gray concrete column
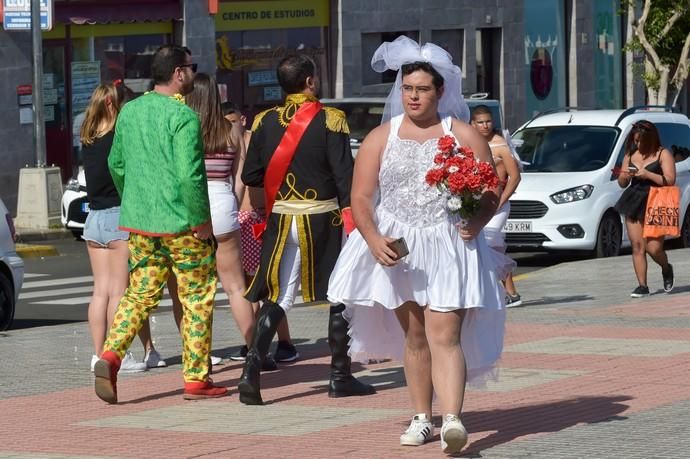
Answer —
(16, 139)
(199, 34)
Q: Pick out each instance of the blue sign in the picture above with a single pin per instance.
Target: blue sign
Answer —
(262, 78)
(18, 14)
(272, 93)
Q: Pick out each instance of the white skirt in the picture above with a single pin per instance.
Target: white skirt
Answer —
(493, 231)
(223, 203)
(441, 271)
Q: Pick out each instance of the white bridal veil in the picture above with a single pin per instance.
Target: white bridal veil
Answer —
(404, 50)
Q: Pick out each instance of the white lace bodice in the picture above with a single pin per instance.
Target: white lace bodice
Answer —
(403, 192)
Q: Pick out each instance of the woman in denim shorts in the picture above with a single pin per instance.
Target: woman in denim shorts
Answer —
(106, 244)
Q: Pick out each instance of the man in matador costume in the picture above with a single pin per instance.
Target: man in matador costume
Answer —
(300, 154)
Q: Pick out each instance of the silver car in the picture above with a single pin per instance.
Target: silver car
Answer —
(11, 269)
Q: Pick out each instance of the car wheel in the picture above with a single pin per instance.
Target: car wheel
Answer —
(609, 236)
(6, 302)
(684, 240)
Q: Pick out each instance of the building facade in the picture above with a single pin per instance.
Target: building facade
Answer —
(252, 37)
(532, 55)
(90, 42)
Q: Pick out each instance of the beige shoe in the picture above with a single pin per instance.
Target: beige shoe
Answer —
(453, 435)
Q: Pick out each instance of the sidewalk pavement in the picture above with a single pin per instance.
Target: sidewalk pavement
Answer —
(587, 372)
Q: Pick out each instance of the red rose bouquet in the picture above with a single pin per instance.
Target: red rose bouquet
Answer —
(458, 174)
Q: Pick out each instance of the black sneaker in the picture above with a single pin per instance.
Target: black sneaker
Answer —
(286, 352)
(269, 364)
(640, 291)
(513, 301)
(667, 274)
(240, 355)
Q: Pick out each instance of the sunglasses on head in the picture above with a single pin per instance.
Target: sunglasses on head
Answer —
(191, 66)
(638, 127)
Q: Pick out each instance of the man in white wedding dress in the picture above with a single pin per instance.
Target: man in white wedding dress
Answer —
(446, 292)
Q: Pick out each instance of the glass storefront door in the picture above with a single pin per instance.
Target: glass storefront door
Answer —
(56, 105)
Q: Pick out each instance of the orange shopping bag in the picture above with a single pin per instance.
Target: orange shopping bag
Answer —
(662, 216)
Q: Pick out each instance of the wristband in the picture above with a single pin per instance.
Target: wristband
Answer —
(348, 221)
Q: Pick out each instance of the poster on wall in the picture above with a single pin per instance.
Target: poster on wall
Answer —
(86, 75)
(608, 59)
(544, 46)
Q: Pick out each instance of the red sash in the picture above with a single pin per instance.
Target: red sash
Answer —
(282, 157)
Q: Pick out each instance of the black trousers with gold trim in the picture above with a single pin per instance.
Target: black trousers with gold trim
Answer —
(297, 250)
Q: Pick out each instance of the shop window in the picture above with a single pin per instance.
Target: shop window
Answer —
(452, 41)
(128, 58)
(247, 61)
(488, 61)
(370, 42)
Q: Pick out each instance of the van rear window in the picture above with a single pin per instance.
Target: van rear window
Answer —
(361, 117)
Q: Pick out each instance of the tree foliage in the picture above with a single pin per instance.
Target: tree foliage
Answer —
(662, 34)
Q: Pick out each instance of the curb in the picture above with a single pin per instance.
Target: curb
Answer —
(42, 235)
(36, 251)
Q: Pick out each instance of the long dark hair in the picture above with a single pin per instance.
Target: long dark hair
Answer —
(205, 100)
(649, 140)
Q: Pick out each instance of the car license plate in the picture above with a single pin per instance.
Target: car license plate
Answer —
(85, 207)
(517, 227)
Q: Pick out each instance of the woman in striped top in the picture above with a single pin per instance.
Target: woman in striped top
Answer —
(224, 156)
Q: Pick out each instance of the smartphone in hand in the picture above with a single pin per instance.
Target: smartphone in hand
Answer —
(632, 169)
(399, 246)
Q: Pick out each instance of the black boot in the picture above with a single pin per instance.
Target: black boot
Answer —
(270, 316)
(342, 383)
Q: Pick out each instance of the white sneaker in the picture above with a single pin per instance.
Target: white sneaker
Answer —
(94, 359)
(420, 431)
(453, 435)
(153, 359)
(130, 365)
(215, 360)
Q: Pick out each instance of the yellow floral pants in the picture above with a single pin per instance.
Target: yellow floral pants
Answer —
(194, 264)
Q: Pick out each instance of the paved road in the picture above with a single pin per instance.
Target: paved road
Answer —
(586, 372)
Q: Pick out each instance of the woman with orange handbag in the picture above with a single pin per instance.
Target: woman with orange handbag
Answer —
(646, 164)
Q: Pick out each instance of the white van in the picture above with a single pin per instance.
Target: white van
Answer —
(566, 197)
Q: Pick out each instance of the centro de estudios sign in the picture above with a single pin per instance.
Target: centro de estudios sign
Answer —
(17, 14)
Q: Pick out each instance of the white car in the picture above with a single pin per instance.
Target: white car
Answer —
(75, 205)
(11, 269)
(566, 197)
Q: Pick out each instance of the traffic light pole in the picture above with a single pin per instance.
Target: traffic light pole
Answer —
(40, 187)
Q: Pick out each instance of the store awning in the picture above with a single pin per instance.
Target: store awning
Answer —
(119, 12)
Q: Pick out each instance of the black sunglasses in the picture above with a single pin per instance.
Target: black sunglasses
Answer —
(191, 66)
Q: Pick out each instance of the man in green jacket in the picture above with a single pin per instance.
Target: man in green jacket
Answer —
(157, 165)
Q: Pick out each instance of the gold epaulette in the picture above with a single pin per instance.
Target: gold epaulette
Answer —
(336, 120)
(259, 117)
